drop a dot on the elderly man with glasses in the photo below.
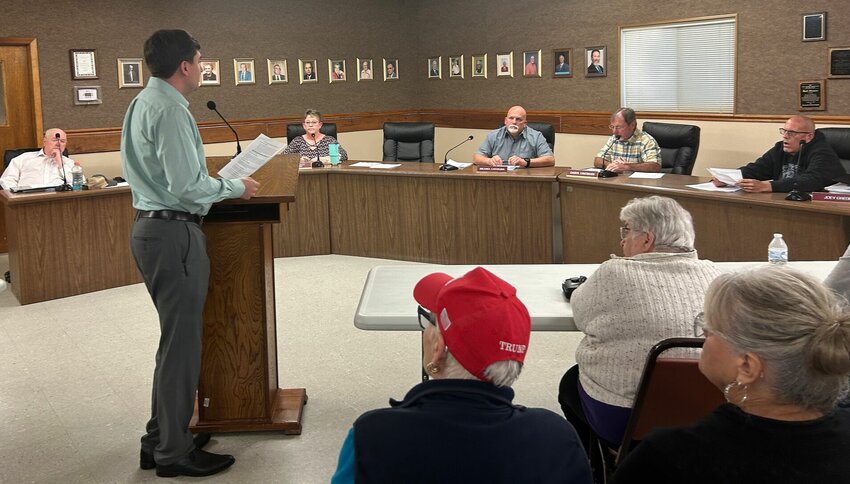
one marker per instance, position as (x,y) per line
(802,160)
(628,148)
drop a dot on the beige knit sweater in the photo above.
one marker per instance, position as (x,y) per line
(628,305)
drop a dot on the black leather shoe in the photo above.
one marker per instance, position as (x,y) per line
(147,462)
(198,463)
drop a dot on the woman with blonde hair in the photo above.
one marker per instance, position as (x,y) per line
(777,343)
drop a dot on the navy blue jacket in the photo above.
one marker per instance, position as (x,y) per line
(466,431)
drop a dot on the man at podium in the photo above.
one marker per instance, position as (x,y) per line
(164,162)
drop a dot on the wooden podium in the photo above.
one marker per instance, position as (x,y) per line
(238,388)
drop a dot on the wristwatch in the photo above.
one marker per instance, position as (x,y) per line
(527,162)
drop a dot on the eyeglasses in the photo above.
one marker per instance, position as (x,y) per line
(616,127)
(792,133)
(310,123)
(625,231)
(699,325)
(425,317)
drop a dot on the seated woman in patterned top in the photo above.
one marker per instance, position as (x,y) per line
(313,143)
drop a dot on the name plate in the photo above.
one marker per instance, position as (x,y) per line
(492,168)
(830,197)
(587,173)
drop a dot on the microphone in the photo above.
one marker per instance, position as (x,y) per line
(446,166)
(607,173)
(796,195)
(318,163)
(64,187)
(211,106)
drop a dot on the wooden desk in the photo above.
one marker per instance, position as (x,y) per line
(68,243)
(729,226)
(416,212)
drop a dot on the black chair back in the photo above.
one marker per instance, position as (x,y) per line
(409,142)
(547,130)
(8,155)
(295,130)
(839,139)
(679,145)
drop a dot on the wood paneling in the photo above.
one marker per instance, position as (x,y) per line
(728,226)
(63,244)
(305,228)
(109,139)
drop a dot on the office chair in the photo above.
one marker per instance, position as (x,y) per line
(547,130)
(295,130)
(672,392)
(679,145)
(839,139)
(409,142)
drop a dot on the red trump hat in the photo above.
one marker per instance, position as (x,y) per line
(481,319)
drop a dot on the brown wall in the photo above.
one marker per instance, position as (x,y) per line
(772,59)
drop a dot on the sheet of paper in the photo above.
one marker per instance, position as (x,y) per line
(365,164)
(258,153)
(386,165)
(458,164)
(643,174)
(710,187)
(838,188)
(729,176)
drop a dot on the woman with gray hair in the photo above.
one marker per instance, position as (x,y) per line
(777,343)
(628,305)
(313,145)
(462,425)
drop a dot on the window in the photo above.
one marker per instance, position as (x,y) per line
(679,67)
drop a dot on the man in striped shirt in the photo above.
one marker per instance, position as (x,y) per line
(628,148)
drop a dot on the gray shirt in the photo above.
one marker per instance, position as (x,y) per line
(529,144)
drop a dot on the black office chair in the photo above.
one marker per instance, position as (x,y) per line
(679,145)
(839,139)
(8,155)
(295,130)
(409,142)
(547,130)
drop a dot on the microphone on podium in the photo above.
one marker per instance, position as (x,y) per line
(211,106)
(446,166)
(64,187)
(607,173)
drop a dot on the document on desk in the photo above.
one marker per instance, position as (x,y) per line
(711,187)
(729,176)
(643,174)
(459,164)
(259,152)
(375,164)
(838,188)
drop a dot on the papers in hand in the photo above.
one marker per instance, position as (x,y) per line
(711,187)
(729,176)
(259,152)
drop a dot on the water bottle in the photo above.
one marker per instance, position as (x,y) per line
(777,251)
(333,151)
(77,179)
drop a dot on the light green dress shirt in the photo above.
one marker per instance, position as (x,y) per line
(163,155)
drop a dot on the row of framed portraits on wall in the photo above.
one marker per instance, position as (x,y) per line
(532,64)
(277,71)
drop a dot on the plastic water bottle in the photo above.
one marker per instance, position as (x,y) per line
(777,251)
(77,179)
(333,151)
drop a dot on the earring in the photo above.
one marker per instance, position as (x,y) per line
(432,368)
(728,389)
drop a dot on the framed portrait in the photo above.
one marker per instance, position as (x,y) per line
(562,63)
(364,70)
(130,73)
(243,71)
(211,73)
(839,62)
(478,63)
(307,71)
(83,64)
(87,95)
(278,73)
(531,65)
(505,65)
(337,70)
(435,67)
(456,66)
(390,69)
(595,60)
(811,95)
(814,26)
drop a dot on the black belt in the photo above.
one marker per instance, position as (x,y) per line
(170,215)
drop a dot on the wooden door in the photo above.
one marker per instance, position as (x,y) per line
(20,102)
